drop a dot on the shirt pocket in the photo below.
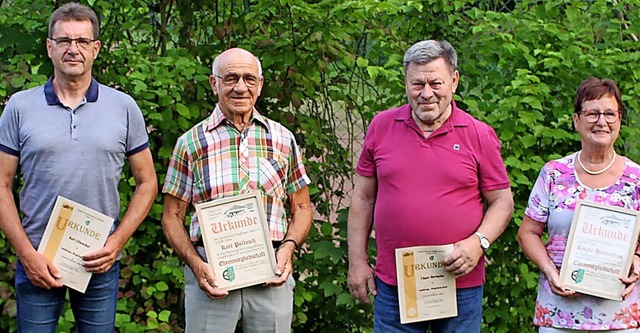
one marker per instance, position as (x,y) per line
(272,176)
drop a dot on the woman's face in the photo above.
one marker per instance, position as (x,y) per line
(603,131)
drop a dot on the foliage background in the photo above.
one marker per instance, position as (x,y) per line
(330,65)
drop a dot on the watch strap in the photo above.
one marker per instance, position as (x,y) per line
(484,241)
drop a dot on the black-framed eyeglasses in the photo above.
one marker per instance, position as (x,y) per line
(65,42)
(231,80)
(592,116)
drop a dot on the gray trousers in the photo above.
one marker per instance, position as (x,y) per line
(258,309)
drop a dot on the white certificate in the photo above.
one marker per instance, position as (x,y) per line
(73,230)
(237,241)
(599,249)
(425,290)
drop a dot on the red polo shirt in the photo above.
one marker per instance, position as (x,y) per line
(429,189)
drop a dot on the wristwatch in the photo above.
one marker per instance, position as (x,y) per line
(484,241)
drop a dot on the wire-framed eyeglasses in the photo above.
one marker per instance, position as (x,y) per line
(231,80)
(65,42)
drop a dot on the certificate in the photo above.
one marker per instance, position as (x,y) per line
(425,290)
(599,249)
(73,230)
(237,241)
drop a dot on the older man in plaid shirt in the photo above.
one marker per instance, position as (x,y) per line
(233,151)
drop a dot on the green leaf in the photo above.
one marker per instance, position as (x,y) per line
(183,110)
(164,315)
(162,286)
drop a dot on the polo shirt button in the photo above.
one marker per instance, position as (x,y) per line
(74,126)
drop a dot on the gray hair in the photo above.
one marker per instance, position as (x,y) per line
(74,11)
(427,51)
(214,66)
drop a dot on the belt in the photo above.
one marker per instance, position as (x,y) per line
(200,243)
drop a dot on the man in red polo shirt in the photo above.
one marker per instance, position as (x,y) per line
(424,174)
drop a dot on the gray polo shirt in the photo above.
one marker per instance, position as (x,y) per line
(77,153)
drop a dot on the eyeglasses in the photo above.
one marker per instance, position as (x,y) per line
(231,80)
(65,42)
(610,116)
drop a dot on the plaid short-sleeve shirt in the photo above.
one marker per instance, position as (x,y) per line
(215,160)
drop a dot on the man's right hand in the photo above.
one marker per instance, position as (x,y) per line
(41,271)
(361,281)
(207,281)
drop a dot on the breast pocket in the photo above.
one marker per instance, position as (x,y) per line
(273,175)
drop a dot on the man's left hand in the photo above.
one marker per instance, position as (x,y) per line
(465,256)
(100,261)
(284,259)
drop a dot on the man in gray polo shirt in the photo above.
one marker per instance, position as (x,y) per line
(70,137)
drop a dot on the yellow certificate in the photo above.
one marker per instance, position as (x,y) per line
(73,230)
(237,240)
(425,290)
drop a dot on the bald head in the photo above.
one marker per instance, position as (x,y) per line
(234,55)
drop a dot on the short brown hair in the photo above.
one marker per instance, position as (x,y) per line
(74,11)
(595,88)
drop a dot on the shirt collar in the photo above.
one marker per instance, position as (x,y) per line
(218,118)
(456,119)
(52,99)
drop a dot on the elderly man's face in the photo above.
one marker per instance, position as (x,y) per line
(430,88)
(237,82)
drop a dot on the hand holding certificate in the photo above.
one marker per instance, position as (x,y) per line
(73,230)
(237,241)
(425,290)
(600,249)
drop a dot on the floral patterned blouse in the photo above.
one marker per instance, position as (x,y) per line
(553,201)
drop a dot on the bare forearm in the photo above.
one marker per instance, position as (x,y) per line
(298,228)
(535,250)
(301,216)
(361,218)
(180,242)
(497,217)
(11,225)
(9,218)
(136,212)
(359,228)
(174,230)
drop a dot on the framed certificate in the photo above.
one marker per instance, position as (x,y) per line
(237,240)
(599,249)
(73,230)
(425,290)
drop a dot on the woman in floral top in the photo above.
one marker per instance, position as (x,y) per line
(595,173)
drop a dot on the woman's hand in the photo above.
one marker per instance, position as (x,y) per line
(555,283)
(632,279)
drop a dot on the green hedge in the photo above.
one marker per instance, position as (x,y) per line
(325,61)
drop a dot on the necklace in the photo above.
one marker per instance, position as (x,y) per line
(596,172)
